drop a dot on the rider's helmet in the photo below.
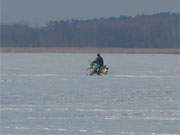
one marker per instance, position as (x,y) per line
(98,54)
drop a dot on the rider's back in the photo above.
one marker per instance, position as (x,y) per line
(99,61)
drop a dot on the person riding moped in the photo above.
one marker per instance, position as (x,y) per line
(98,63)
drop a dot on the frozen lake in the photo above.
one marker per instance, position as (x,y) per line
(50,94)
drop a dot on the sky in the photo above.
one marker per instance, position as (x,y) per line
(39,12)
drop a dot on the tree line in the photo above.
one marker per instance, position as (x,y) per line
(142,31)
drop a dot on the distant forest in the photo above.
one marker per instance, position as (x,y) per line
(142,31)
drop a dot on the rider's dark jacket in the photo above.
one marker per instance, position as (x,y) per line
(99,61)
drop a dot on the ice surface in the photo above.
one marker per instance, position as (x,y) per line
(50,94)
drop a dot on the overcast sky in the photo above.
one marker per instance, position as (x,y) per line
(41,11)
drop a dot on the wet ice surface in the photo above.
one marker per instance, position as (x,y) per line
(50,94)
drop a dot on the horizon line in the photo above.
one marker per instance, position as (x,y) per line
(25,22)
